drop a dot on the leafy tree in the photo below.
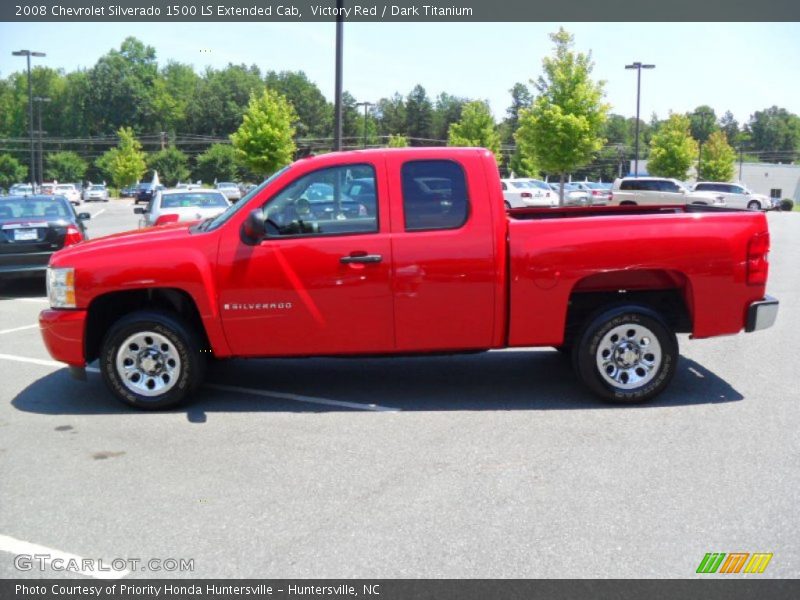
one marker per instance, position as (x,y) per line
(64,166)
(218,162)
(775,134)
(521,98)
(176,92)
(222,98)
(563,129)
(446,112)
(125,164)
(314,113)
(391,114)
(397,141)
(730,126)
(717,158)
(476,128)
(702,122)
(265,140)
(172,165)
(11,171)
(672,149)
(419,115)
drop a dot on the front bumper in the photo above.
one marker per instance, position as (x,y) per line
(762,314)
(63,335)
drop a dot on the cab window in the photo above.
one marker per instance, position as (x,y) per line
(434,195)
(319,204)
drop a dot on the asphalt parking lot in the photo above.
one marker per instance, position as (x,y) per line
(491,465)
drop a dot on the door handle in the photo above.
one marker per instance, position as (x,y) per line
(360,259)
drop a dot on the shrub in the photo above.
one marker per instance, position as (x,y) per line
(787,204)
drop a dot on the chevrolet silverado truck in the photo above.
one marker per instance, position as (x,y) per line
(435,264)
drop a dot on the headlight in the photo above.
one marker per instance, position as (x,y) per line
(61,287)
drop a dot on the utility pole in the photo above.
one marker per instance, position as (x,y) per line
(337,125)
(39,100)
(367,106)
(163,140)
(28,54)
(638,66)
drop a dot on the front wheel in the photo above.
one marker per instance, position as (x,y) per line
(151,360)
(626,354)
(754,205)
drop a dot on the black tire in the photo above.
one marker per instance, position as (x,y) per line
(754,205)
(627,203)
(587,353)
(185,345)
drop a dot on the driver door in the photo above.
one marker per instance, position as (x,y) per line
(320,283)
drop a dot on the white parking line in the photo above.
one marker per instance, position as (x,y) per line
(98,213)
(24,327)
(66,560)
(232,388)
(299,398)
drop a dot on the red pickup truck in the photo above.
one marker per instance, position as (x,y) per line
(407,251)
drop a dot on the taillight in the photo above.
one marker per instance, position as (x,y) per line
(164,219)
(595,193)
(526,195)
(757,259)
(73,235)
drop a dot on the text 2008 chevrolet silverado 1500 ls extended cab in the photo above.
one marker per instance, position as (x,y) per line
(405,251)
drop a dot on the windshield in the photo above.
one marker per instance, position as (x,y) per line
(194,200)
(234,208)
(98,188)
(24,208)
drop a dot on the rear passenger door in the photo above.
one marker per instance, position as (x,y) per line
(444,279)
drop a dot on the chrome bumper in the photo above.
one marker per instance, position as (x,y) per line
(762,314)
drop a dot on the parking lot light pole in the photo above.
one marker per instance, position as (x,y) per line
(367,106)
(337,125)
(28,54)
(638,66)
(39,100)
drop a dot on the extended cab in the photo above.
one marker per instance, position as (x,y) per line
(434,264)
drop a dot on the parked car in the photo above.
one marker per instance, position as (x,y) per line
(96,193)
(20,189)
(69,191)
(657,190)
(145,191)
(598,194)
(128,191)
(735,195)
(32,228)
(430,272)
(47,189)
(171,206)
(362,191)
(231,190)
(573,195)
(524,192)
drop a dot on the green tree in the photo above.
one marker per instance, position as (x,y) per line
(217,163)
(730,126)
(397,141)
(563,129)
(172,165)
(521,98)
(717,158)
(391,115)
(476,128)
(447,111)
(314,113)
(672,148)
(125,164)
(774,134)
(222,98)
(64,166)
(702,122)
(11,171)
(265,140)
(419,116)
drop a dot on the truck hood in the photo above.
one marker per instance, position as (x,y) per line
(147,241)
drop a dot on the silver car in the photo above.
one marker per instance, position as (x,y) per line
(95,193)
(170,206)
(231,190)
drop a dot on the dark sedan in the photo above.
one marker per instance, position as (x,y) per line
(32,228)
(145,191)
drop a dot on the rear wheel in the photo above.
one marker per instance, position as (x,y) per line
(151,360)
(626,354)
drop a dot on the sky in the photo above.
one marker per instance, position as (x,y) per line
(741,67)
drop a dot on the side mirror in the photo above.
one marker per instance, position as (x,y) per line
(84,216)
(139,210)
(254,228)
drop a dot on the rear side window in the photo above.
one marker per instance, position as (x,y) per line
(434,195)
(668,186)
(631,184)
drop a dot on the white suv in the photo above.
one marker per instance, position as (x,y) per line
(734,195)
(657,190)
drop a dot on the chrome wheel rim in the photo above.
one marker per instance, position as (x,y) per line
(629,356)
(148,363)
